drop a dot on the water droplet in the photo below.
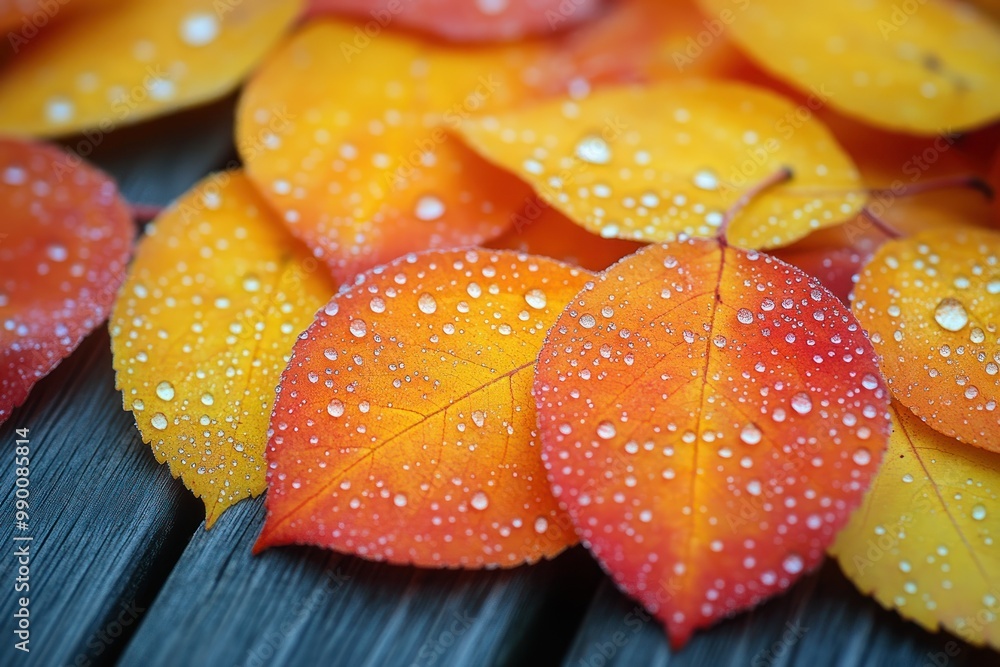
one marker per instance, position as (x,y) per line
(479,418)
(706,179)
(593,149)
(792,564)
(950,314)
(207,399)
(426,303)
(359,328)
(587,321)
(251,283)
(535,298)
(750,434)
(480,501)
(869,381)
(606,430)
(801,403)
(57,252)
(978,512)
(165,391)
(429,208)
(335,408)
(744,316)
(862,456)
(541,525)
(399,500)
(199,29)
(159,421)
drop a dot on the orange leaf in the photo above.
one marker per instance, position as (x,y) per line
(709,416)
(461,20)
(931,303)
(654,162)
(542,230)
(924,541)
(134,59)
(404,429)
(351,145)
(202,328)
(65,237)
(928,67)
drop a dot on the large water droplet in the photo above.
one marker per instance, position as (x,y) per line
(159,421)
(335,408)
(950,314)
(426,303)
(429,208)
(480,501)
(165,390)
(606,430)
(801,403)
(359,328)
(593,149)
(750,434)
(535,298)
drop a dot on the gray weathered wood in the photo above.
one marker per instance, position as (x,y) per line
(821,622)
(298,606)
(107,521)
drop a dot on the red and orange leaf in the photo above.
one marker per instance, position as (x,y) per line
(541,230)
(461,20)
(924,541)
(404,428)
(352,146)
(710,417)
(931,304)
(22,20)
(638,40)
(932,67)
(65,238)
(202,329)
(651,163)
(119,64)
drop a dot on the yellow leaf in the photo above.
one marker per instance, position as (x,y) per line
(649,163)
(926,67)
(202,330)
(925,541)
(931,303)
(133,59)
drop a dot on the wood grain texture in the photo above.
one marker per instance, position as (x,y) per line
(299,606)
(107,521)
(821,622)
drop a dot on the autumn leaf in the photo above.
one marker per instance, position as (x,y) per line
(923,541)
(461,20)
(931,303)
(115,65)
(539,229)
(404,428)
(710,417)
(65,238)
(929,67)
(202,329)
(650,163)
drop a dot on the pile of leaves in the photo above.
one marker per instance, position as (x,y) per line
(711,288)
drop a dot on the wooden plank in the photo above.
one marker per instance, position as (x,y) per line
(298,606)
(821,622)
(107,521)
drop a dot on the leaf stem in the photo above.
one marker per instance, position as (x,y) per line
(942,183)
(881,224)
(781,176)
